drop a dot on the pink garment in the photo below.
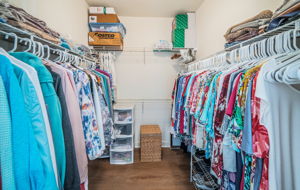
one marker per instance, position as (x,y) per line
(75,119)
(233,96)
(260,138)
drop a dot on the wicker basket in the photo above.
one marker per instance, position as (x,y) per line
(150,143)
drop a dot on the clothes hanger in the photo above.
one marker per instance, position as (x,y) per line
(15,37)
(42,49)
(59,58)
(40,52)
(37,52)
(73,57)
(27,42)
(276,73)
(289,72)
(29,45)
(48,52)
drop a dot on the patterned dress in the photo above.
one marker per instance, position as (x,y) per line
(90,127)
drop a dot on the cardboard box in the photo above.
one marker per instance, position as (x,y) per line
(103,18)
(102,10)
(105,39)
(108,27)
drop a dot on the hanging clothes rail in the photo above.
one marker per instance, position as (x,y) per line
(216,103)
(39,44)
(233,51)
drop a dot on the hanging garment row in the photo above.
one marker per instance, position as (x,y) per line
(245,115)
(54,115)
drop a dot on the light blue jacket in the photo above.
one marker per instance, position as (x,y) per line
(6,154)
(53,108)
(33,108)
(26,157)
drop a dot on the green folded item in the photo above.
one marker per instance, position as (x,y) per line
(178,38)
(181,21)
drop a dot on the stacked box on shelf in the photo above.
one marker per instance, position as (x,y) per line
(122,149)
(178,38)
(184,31)
(106,31)
(180,21)
(180,24)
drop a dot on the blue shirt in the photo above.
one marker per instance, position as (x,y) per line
(178,102)
(26,158)
(247,131)
(53,108)
(208,114)
(34,110)
(6,154)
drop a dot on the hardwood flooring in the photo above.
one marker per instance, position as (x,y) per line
(172,173)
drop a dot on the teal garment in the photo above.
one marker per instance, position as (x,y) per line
(33,108)
(26,159)
(6,153)
(53,108)
(188,91)
(207,116)
(107,92)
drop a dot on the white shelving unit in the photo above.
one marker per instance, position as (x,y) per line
(122,149)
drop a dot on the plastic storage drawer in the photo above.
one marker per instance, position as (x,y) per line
(123,129)
(121,157)
(123,116)
(122,144)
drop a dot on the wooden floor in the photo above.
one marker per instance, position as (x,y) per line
(172,173)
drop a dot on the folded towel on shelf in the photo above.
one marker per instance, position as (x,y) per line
(262,29)
(286,7)
(34,30)
(240,34)
(266,14)
(247,36)
(228,45)
(252,24)
(284,19)
(12,13)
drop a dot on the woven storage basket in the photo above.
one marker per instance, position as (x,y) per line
(150,143)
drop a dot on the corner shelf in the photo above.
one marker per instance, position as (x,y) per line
(173,50)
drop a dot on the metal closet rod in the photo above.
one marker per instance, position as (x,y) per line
(295,25)
(23,36)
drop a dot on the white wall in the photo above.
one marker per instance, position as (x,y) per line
(68,17)
(144,78)
(214,17)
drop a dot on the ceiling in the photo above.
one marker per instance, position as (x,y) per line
(149,8)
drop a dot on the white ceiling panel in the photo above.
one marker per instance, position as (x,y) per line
(149,8)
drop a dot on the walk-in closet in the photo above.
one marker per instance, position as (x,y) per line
(149,94)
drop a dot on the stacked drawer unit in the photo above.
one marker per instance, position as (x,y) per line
(122,149)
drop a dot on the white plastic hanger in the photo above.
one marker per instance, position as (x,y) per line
(15,37)
(48,51)
(276,74)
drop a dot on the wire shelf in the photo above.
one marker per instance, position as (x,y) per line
(204,173)
(295,25)
(30,35)
(279,30)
